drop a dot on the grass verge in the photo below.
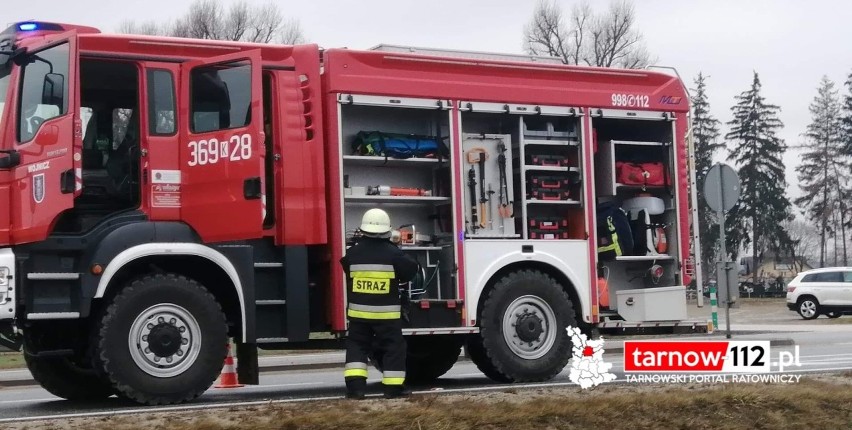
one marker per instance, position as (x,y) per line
(809,404)
(12,360)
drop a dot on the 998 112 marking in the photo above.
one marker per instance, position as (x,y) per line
(630,100)
(211,151)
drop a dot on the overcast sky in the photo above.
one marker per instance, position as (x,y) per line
(790,43)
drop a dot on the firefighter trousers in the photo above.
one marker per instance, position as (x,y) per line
(385,336)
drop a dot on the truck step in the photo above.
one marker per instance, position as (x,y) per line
(271,302)
(261,265)
(53,276)
(272,340)
(53,315)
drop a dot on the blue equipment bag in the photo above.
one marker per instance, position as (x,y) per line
(395,145)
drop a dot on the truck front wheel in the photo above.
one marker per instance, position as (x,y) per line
(162,340)
(522,327)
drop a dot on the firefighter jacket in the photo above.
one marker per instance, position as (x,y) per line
(374,269)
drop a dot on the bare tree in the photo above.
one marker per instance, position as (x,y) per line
(150,28)
(805,245)
(209,19)
(604,40)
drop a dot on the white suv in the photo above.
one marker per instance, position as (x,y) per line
(826,291)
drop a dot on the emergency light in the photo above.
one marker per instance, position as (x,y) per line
(28,26)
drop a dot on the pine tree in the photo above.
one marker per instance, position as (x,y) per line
(705,131)
(846,191)
(820,173)
(756,149)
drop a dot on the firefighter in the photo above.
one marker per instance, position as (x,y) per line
(375,267)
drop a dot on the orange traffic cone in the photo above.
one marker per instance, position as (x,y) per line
(228,379)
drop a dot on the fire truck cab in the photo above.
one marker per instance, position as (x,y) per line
(159,196)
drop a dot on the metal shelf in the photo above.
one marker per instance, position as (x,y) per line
(530,168)
(366,160)
(552,202)
(421,248)
(640,187)
(644,257)
(637,143)
(395,199)
(554,142)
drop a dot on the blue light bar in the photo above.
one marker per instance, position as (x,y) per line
(28,26)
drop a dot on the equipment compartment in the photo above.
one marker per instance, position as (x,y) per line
(649,271)
(652,304)
(414,188)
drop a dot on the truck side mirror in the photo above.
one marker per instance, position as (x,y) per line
(53,90)
(9,158)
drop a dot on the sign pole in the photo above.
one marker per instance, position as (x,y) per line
(722,190)
(724,254)
(724,268)
(713,307)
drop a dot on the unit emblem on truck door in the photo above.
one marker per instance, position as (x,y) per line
(38,187)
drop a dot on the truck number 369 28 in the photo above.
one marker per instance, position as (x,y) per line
(212,151)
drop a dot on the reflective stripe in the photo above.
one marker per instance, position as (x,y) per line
(368,308)
(393,374)
(372,274)
(372,267)
(614,246)
(356,365)
(358,373)
(373,315)
(393,381)
(371,285)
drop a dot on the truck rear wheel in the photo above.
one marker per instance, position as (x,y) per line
(476,351)
(162,340)
(430,357)
(522,327)
(62,377)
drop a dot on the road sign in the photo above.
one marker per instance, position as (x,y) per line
(721,187)
(721,191)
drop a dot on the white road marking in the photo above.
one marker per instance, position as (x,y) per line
(323,398)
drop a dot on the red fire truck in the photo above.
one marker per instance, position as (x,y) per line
(162,195)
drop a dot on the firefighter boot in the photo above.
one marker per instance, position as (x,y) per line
(396,391)
(356,388)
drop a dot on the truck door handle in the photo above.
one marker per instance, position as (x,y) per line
(66,181)
(629,301)
(11,160)
(252,189)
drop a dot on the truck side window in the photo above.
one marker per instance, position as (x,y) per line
(847,276)
(46,72)
(220,97)
(161,103)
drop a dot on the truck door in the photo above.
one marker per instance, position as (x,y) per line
(221,147)
(43,136)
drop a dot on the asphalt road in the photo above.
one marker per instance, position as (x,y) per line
(820,352)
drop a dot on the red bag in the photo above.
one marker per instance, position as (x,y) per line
(640,174)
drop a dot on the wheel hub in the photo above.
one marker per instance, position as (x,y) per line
(164,340)
(529,327)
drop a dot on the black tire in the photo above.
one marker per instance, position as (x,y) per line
(144,306)
(476,351)
(430,357)
(833,314)
(62,377)
(808,308)
(522,300)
